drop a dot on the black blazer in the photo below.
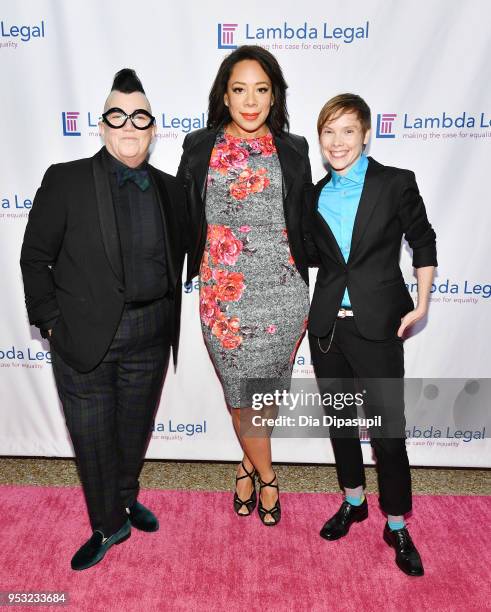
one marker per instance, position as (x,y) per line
(71,261)
(390,207)
(295,166)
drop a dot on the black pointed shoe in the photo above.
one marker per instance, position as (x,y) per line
(142,518)
(338,525)
(407,557)
(94,549)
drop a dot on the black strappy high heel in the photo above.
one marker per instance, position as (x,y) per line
(250,503)
(275,511)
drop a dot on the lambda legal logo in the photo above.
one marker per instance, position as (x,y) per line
(226,33)
(384,125)
(69,120)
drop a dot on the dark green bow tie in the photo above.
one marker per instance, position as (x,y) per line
(139,177)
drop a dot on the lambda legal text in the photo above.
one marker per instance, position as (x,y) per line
(307,32)
(445,120)
(26,32)
(14,354)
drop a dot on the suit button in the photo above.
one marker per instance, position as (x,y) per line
(120,289)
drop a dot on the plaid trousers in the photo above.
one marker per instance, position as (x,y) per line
(109,411)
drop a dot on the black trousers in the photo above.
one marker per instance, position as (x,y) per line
(109,411)
(345,354)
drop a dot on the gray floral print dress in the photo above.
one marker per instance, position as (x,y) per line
(253,301)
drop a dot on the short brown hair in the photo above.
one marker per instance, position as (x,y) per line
(345,103)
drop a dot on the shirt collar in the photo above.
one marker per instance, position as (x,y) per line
(356,173)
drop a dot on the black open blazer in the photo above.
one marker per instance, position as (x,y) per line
(71,260)
(390,207)
(193,170)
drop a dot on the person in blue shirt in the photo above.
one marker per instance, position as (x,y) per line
(361,309)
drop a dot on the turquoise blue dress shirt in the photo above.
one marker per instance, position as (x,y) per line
(338,204)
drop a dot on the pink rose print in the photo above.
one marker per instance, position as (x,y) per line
(234,324)
(205,271)
(227,332)
(249,182)
(220,327)
(239,191)
(263,145)
(208,307)
(271,329)
(231,341)
(230,285)
(267,146)
(228,155)
(225,248)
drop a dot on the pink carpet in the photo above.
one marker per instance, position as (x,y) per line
(206,558)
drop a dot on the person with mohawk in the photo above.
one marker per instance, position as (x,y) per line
(101,262)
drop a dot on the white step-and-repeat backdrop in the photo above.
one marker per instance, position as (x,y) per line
(422,66)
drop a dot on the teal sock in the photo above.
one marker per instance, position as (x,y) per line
(355,501)
(393,525)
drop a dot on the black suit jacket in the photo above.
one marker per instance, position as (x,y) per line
(193,170)
(71,260)
(390,207)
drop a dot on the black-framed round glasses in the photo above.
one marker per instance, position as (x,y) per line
(140,118)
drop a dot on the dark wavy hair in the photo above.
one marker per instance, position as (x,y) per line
(218,113)
(126,81)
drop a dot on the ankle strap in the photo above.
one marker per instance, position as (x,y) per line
(247,474)
(263,484)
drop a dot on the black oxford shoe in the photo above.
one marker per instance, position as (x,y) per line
(142,518)
(338,525)
(94,549)
(407,557)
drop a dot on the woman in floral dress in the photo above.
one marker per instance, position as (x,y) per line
(246,179)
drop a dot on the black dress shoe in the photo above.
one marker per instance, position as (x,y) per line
(407,557)
(142,518)
(94,549)
(338,525)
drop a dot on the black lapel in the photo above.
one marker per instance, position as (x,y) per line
(199,160)
(107,216)
(169,230)
(289,161)
(368,202)
(332,242)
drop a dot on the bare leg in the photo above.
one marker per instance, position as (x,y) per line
(257,454)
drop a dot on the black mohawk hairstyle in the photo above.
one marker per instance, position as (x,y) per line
(127,82)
